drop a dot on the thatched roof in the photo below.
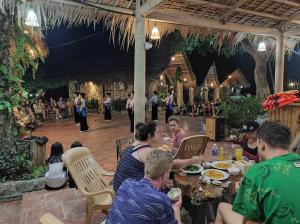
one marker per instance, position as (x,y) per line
(236,78)
(231,20)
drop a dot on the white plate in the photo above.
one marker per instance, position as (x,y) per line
(214,165)
(225,175)
(193,172)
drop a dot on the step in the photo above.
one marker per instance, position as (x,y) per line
(68,205)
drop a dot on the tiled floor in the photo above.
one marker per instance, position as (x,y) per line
(67,204)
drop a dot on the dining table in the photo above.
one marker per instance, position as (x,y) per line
(201,199)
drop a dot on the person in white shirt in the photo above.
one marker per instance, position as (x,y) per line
(107,105)
(56,177)
(130,110)
(154,104)
(169,100)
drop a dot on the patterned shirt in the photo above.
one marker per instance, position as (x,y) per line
(138,202)
(269,191)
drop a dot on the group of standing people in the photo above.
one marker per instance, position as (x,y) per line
(80,109)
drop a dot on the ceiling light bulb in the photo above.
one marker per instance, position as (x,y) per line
(31,19)
(261,47)
(155,35)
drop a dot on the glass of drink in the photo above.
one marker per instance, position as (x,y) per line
(238,153)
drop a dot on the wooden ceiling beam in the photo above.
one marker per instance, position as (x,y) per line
(231,10)
(244,11)
(150,6)
(287,2)
(109,8)
(171,16)
(285,22)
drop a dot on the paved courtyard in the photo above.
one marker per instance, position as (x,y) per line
(68,204)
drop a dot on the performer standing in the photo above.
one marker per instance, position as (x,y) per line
(76,110)
(130,110)
(169,100)
(107,104)
(82,114)
(154,103)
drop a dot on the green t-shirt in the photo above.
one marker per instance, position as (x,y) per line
(270,191)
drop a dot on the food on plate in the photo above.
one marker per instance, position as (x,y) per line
(223,165)
(192,168)
(174,194)
(216,182)
(214,174)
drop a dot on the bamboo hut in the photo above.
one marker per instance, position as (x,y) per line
(274,21)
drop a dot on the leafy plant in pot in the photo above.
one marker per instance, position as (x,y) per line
(240,110)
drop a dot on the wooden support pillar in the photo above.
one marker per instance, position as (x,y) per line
(139,66)
(279,64)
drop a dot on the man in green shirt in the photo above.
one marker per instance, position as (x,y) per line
(269,192)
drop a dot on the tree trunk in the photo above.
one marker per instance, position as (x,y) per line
(260,71)
(7,129)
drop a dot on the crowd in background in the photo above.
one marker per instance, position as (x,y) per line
(32,113)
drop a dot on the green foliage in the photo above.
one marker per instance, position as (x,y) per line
(20,60)
(208,45)
(15,164)
(92,104)
(241,110)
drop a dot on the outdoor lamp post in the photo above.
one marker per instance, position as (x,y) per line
(31,19)
(261,47)
(155,33)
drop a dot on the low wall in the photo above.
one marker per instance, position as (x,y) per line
(14,189)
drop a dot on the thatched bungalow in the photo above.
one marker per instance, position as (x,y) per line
(230,21)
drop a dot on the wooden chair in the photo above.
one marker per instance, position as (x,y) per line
(48,218)
(87,173)
(192,146)
(121,145)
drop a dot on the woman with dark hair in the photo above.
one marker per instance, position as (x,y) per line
(56,176)
(82,114)
(107,104)
(133,159)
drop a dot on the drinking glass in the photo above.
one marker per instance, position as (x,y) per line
(238,153)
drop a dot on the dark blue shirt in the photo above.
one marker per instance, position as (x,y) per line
(139,202)
(129,167)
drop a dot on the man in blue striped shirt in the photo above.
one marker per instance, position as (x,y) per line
(141,202)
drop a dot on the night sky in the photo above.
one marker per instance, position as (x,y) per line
(97,55)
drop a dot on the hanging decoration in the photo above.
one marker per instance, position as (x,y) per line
(31,19)
(155,35)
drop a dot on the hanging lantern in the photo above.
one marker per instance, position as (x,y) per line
(261,46)
(155,33)
(31,19)
(173,58)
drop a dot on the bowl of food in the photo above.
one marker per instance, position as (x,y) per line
(192,169)
(234,171)
(174,194)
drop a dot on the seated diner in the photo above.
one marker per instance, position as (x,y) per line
(133,159)
(267,193)
(140,201)
(177,133)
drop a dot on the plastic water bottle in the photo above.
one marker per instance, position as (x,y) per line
(214,152)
